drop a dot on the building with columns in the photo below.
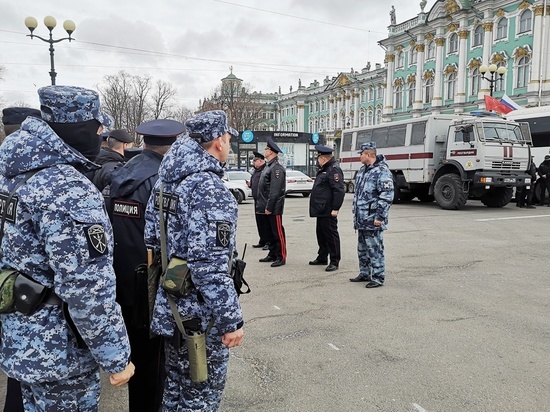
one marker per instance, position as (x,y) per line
(433,64)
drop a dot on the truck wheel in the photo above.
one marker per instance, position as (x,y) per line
(497,197)
(448,192)
(239,196)
(351,187)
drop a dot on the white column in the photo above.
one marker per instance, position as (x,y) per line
(330,125)
(418,104)
(487,40)
(388,94)
(438,81)
(338,111)
(462,73)
(300,116)
(356,107)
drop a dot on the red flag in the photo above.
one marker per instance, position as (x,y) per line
(495,105)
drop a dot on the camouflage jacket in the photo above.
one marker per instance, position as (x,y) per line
(201,228)
(373,195)
(61,237)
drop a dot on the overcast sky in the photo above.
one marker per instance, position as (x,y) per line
(192,43)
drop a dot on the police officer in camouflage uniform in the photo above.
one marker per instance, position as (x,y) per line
(201,228)
(59,236)
(129,193)
(371,204)
(325,201)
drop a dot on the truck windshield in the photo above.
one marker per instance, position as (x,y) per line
(500,132)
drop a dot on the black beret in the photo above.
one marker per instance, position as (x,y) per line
(16,115)
(258,155)
(121,135)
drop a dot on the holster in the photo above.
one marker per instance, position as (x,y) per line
(29,295)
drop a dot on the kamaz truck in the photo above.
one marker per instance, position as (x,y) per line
(449,158)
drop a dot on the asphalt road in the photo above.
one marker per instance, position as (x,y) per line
(462,324)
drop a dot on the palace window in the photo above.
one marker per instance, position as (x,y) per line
(502,29)
(525,21)
(478,36)
(523,71)
(453,43)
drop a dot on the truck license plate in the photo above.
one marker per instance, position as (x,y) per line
(509,180)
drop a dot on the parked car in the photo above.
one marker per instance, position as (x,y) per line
(239,183)
(298,182)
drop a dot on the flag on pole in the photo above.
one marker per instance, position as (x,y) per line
(495,105)
(507,100)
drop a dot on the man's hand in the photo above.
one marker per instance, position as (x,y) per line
(334,213)
(377,223)
(233,339)
(121,378)
(267,212)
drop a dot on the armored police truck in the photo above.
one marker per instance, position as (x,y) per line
(449,158)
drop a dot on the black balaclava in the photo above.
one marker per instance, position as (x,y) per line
(81,136)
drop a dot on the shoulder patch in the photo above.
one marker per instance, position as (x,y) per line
(387,185)
(97,241)
(127,209)
(223,233)
(170,202)
(336,177)
(277,173)
(10,209)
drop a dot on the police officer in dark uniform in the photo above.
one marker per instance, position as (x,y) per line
(111,157)
(129,192)
(271,202)
(326,200)
(262,223)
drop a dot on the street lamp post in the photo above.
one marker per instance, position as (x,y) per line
(493,70)
(50,23)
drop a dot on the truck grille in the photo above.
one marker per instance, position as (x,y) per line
(506,165)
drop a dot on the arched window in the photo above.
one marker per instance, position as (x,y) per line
(431,50)
(478,36)
(362,119)
(501,81)
(429,90)
(400,60)
(414,55)
(317,106)
(451,86)
(322,125)
(399,97)
(379,92)
(370,117)
(453,43)
(323,104)
(378,116)
(525,21)
(523,71)
(502,29)
(311,126)
(412,93)
(476,82)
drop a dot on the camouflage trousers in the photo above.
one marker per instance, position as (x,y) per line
(78,393)
(180,393)
(370,250)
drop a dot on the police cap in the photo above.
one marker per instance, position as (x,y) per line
(367,146)
(258,155)
(121,135)
(323,150)
(71,104)
(16,115)
(160,132)
(272,145)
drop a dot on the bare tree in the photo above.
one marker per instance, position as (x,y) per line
(181,114)
(163,95)
(241,105)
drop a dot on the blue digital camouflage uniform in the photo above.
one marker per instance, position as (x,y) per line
(60,236)
(201,228)
(372,200)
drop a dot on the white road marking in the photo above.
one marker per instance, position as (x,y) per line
(333,346)
(419,408)
(277,307)
(511,218)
